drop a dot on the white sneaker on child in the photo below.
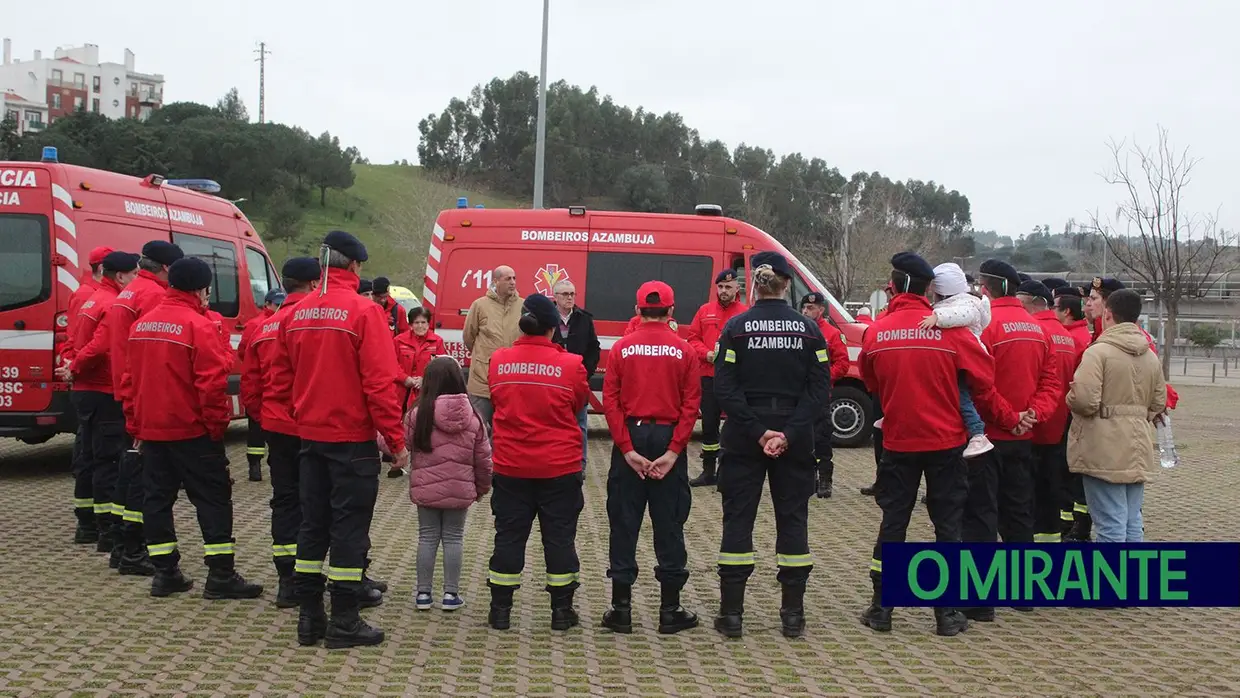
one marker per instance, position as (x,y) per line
(977,446)
(423,601)
(451,602)
(878,423)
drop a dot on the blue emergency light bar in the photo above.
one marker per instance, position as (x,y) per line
(50,154)
(206,186)
(462,202)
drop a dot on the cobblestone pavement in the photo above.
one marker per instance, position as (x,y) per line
(69,626)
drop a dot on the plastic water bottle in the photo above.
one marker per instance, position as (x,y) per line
(1166,444)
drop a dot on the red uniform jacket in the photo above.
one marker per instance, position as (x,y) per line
(91,368)
(339,367)
(1025,373)
(86,288)
(139,297)
(865,319)
(1081,338)
(414,353)
(250,331)
(636,322)
(258,370)
(180,377)
(914,373)
(1064,358)
(397,318)
(837,350)
(706,327)
(537,387)
(652,374)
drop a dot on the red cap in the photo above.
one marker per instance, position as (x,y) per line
(664,298)
(97,255)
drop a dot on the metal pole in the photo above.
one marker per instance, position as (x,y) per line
(540,149)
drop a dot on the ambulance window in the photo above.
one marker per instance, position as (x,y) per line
(613,278)
(262,277)
(223,260)
(27,277)
(799,290)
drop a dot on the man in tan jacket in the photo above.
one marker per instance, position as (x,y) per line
(1115,395)
(491,324)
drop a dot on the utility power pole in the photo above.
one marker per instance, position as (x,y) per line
(262,80)
(540,147)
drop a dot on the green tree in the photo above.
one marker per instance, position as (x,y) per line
(231,107)
(1206,336)
(9,140)
(284,220)
(645,188)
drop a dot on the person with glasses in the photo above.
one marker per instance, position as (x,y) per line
(576,334)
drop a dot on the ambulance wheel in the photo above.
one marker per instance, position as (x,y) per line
(852,415)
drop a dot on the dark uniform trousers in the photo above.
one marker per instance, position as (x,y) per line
(285,499)
(877,434)
(556,503)
(202,468)
(83,470)
(133,535)
(712,415)
(102,422)
(669,500)
(1075,513)
(255,440)
(823,453)
(899,476)
(1000,502)
(339,483)
(1050,465)
(791,483)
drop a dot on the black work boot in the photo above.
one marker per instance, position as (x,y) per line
(500,616)
(311,621)
(792,610)
(949,622)
(619,619)
(86,533)
(118,551)
(346,628)
(286,597)
(138,565)
(372,583)
(868,490)
(104,542)
(981,614)
(672,616)
(169,582)
(225,583)
(368,596)
(731,608)
(824,482)
(563,615)
(1082,528)
(256,469)
(876,616)
(708,477)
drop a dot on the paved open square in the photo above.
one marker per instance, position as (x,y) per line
(70,626)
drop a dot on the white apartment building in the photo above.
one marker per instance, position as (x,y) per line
(44,89)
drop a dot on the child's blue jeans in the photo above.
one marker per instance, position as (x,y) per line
(972,420)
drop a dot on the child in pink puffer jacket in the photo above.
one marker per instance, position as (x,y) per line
(450,469)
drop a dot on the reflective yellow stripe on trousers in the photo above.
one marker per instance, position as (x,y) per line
(132,516)
(344,574)
(103,507)
(218,549)
(84,503)
(256,450)
(562,580)
(805,560)
(284,551)
(504,580)
(876,565)
(1080,508)
(1047,538)
(736,558)
(308,566)
(1065,515)
(161,549)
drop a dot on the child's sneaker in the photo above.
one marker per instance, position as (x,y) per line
(451,602)
(878,423)
(424,602)
(977,446)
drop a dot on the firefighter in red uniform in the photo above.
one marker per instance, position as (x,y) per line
(703,336)
(538,388)
(100,436)
(1001,481)
(300,277)
(88,283)
(255,439)
(814,307)
(914,374)
(337,370)
(877,431)
(179,411)
(636,321)
(393,312)
(651,395)
(1070,309)
(1050,445)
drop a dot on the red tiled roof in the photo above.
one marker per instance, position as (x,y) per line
(14,97)
(67,59)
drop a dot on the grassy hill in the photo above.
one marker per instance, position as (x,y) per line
(391,209)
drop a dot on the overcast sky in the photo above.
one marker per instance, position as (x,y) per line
(1009,102)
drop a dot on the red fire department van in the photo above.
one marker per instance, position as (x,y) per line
(51,216)
(607,255)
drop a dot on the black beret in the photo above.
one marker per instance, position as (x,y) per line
(725,275)
(542,309)
(1107,285)
(302,269)
(346,245)
(189,274)
(365,286)
(912,264)
(162,251)
(1069,291)
(1037,289)
(274,297)
(120,261)
(381,285)
(1023,276)
(776,261)
(813,297)
(1054,282)
(999,269)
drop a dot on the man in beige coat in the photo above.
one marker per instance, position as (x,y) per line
(1117,392)
(491,324)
